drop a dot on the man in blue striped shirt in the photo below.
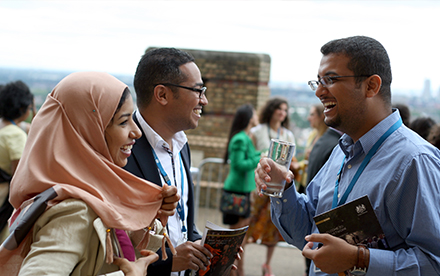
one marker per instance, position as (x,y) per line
(377,156)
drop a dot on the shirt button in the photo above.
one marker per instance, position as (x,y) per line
(349,166)
(278,202)
(284,200)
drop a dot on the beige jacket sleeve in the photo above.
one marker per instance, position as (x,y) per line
(66,241)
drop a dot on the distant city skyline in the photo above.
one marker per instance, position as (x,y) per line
(299,95)
(423,91)
(111,36)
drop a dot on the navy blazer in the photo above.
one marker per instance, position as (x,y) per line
(142,164)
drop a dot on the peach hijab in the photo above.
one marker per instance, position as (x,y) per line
(66,149)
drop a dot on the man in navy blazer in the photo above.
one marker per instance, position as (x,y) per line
(170,97)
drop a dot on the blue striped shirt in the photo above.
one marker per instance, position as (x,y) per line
(402,182)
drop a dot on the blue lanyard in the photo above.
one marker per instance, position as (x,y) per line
(364,163)
(12,122)
(180,205)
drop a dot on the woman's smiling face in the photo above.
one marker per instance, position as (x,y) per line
(121,133)
(280,113)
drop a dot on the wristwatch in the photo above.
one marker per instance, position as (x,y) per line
(363,259)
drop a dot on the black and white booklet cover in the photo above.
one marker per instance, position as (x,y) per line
(354,222)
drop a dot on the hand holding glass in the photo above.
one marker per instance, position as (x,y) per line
(281,152)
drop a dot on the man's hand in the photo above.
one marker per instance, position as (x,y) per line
(335,255)
(266,171)
(139,267)
(191,255)
(170,198)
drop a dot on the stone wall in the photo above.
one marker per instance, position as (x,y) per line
(232,79)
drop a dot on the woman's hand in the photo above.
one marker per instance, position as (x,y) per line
(170,198)
(139,267)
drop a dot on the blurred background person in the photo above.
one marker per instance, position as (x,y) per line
(274,123)
(434,136)
(316,120)
(321,151)
(405,113)
(243,160)
(16,103)
(320,144)
(318,156)
(422,126)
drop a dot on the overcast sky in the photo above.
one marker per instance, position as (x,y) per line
(112,35)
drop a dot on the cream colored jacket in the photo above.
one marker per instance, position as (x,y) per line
(68,239)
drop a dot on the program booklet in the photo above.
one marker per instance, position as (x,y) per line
(224,244)
(354,222)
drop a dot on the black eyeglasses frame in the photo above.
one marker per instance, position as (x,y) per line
(315,83)
(201,91)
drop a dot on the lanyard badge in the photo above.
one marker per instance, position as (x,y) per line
(180,204)
(365,162)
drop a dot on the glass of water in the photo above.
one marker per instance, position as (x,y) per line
(281,152)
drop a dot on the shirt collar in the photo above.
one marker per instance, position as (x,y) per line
(366,142)
(179,139)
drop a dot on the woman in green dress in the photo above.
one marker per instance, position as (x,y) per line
(243,159)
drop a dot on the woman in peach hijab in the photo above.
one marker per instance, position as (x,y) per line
(70,181)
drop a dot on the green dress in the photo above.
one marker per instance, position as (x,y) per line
(243,161)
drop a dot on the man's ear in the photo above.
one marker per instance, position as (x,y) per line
(161,94)
(374,83)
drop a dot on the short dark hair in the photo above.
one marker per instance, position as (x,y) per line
(156,66)
(367,57)
(241,120)
(15,99)
(405,113)
(422,126)
(434,136)
(270,107)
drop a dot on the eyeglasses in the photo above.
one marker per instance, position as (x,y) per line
(326,81)
(201,91)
